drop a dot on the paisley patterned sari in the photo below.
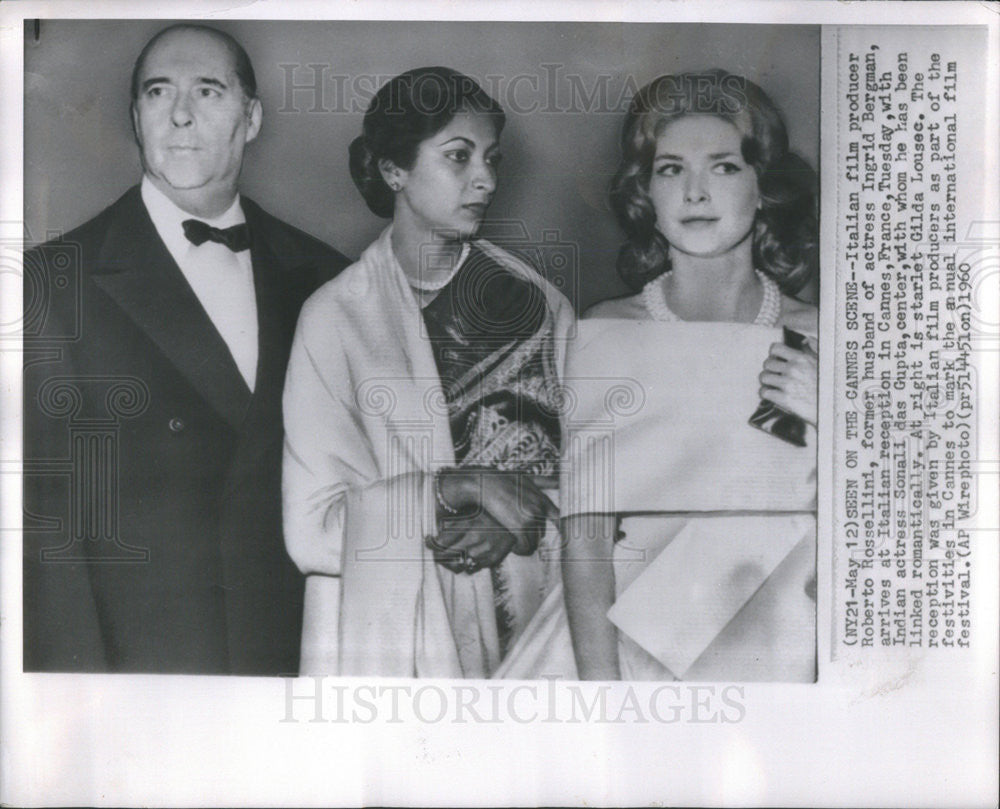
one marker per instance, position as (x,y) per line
(492,338)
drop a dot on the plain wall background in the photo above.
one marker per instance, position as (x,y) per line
(80,155)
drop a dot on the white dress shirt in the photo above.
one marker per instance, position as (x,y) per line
(222,279)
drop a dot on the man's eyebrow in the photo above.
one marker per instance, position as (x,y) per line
(154,80)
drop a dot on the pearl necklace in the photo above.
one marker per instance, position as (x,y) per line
(654,298)
(437,286)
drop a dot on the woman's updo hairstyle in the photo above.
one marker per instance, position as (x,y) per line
(407,110)
(785,230)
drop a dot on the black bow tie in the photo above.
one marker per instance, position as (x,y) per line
(236,238)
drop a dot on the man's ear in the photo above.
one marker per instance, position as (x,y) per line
(255,114)
(134,116)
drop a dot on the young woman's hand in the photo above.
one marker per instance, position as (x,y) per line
(498,512)
(790,380)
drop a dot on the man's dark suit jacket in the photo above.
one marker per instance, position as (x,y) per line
(153,537)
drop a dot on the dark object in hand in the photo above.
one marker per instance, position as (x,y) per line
(774,420)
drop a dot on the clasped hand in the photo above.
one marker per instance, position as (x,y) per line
(498,513)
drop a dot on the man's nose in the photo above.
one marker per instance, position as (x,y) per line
(180,112)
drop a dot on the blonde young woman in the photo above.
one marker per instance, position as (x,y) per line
(721,226)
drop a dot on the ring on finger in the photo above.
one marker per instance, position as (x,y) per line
(470,564)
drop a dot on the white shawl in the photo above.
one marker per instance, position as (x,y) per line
(365,422)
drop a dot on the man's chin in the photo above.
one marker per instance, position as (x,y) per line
(183,182)
(195,195)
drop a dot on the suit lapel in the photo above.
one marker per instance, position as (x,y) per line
(137,271)
(279,298)
(280,289)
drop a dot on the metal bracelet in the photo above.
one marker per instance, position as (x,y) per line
(445,505)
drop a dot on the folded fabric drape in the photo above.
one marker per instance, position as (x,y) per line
(366,426)
(672,400)
(718,548)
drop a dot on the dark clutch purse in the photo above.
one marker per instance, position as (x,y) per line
(772,419)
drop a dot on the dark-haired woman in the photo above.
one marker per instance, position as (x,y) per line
(420,409)
(721,227)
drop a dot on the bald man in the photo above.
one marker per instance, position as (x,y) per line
(161,549)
